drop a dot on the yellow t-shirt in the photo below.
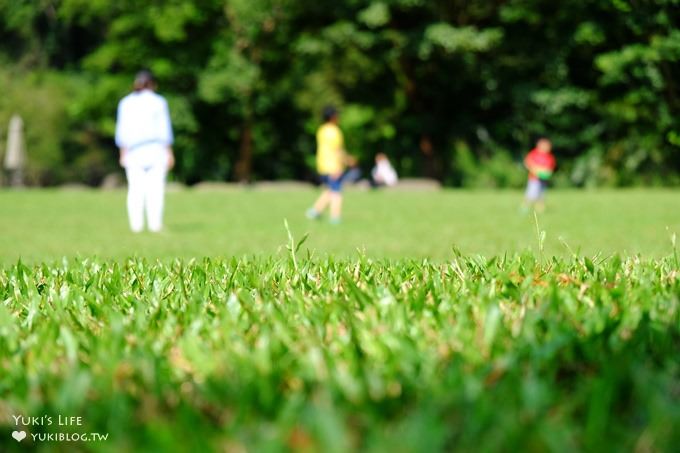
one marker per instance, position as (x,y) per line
(329,150)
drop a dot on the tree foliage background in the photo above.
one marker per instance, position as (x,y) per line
(452,89)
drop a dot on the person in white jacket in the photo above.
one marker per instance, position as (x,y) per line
(383,174)
(144,137)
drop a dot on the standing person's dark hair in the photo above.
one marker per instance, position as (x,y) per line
(328,113)
(144,80)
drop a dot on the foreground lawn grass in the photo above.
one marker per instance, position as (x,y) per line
(45,225)
(270,354)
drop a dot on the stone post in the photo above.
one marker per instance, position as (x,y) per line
(15,152)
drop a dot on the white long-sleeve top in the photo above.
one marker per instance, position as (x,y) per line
(384,173)
(143,119)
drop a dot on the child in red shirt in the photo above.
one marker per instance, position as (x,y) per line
(541,164)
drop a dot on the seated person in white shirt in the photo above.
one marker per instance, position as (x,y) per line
(383,174)
(144,137)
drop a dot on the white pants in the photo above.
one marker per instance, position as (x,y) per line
(146,191)
(146,169)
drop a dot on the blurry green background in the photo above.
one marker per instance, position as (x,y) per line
(456,89)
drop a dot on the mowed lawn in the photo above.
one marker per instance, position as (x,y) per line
(46,225)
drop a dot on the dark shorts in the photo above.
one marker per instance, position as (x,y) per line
(333,184)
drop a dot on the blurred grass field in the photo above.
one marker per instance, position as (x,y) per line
(46,225)
(339,355)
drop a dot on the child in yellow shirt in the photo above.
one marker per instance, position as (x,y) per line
(330,164)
